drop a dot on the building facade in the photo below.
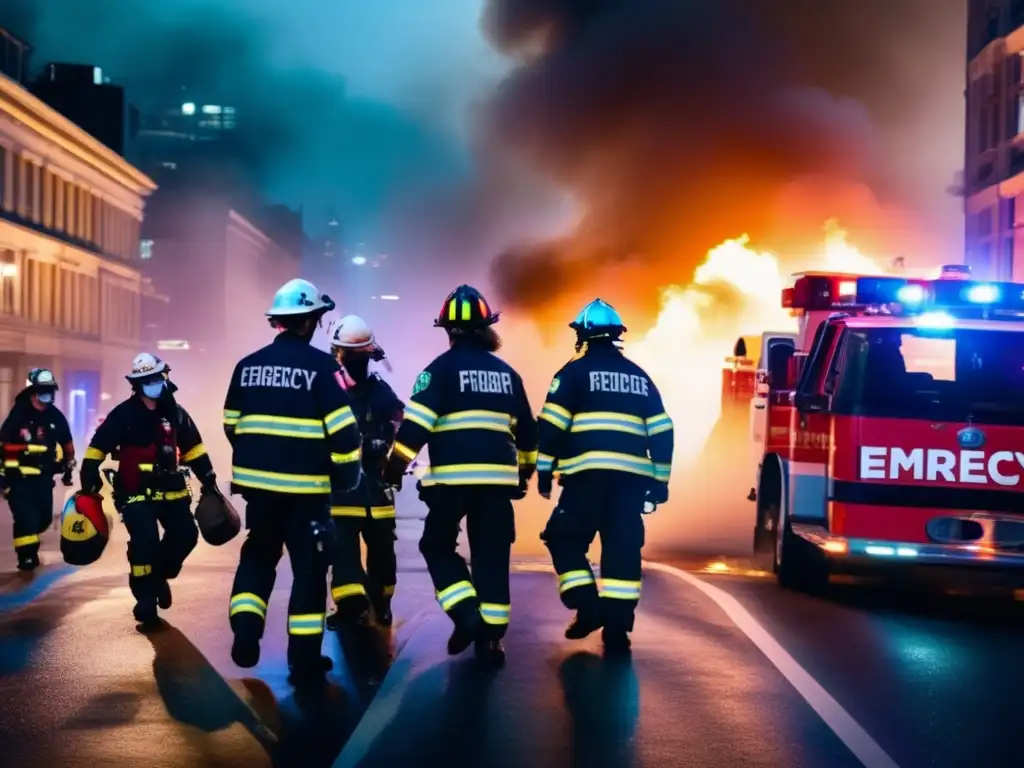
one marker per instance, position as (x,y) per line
(993,183)
(70,219)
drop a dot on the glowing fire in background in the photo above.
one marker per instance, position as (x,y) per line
(693,333)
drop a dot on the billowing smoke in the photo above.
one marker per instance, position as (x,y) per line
(678,123)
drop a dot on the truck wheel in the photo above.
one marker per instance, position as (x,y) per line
(798,564)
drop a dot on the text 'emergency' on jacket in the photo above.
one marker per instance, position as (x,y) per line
(470,408)
(290,421)
(603,411)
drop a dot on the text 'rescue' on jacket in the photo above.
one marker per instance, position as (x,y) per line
(470,409)
(602,411)
(290,422)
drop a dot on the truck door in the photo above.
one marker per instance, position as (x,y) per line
(810,430)
(768,426)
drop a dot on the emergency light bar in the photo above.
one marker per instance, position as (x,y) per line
(953,292)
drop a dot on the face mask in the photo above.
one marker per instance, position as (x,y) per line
(153,389)
(45,397)
(357,366)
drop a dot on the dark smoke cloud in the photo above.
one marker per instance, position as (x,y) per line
(677,122)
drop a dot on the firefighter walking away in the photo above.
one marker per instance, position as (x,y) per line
(294,438)
(470,409)
(369,509)
(151,436)
(31,436)
(604,430)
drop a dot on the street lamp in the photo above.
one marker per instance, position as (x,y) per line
(359,260)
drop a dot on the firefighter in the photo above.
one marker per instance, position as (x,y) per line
(151,436)
(368,510)
(470,409)
(294,439)
(604,430)
(31,435)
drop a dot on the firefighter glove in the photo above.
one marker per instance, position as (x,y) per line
(544,482)
(209,483)
(657,493)
(90,477)
(393,472)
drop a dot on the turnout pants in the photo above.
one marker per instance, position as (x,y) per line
(351,585)
(302,525)
(31,502)
(154,558)
(490,525)
(610,504)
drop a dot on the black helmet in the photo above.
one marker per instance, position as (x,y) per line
(465,309)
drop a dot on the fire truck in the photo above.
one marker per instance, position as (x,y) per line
(893,432)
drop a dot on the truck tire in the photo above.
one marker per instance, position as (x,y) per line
(799,565)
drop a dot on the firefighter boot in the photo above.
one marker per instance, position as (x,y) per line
(615,640)
(583,624)
(490,652)
(308,671)
(28,563)
(382,611)
(465,633)
(245,651)
(145,614)
(163,595)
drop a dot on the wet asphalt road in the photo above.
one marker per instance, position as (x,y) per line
(935,684)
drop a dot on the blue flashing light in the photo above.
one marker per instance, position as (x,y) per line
(939,321)
(982,294)
(912,294)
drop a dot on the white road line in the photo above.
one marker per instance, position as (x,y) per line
(849,731)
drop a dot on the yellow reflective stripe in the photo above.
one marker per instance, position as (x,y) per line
(95,454)
(404,451)
(527,457)
(306,624)
(382,513)
(451,596)
(33,448)
(420,415)
(145,467)
(608,421)
(279,426)
(451,309)
(142,570)
(571,579)
(346,458)
(606,460)
(348,511)
(495,613)
(388,590)
(492,420)
(347,590)
(247,602)
(335,421)
(30,470)
(10,463)
(556,415)
(24,541)
(658,424)
(662,472)
(195,453)
(545,462)
(280,482)
(231,417)
(472,474)
(618,589)
(159,496)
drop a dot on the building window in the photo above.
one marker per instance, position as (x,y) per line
(58,203)
(145,250)
(31,190)
(3,179)
(71,209)
(9,283)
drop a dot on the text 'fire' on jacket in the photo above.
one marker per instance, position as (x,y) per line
(602,411)
(290,422)
(469,407)
(148,445)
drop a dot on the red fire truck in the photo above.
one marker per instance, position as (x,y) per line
(894,429)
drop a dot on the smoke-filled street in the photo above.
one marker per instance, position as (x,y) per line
(726,669)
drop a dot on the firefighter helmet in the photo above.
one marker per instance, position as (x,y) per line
(217,519)
(598,320)
(352,332)
(299,297)
(84,529)
(146,366)
(465,309)
(41,378)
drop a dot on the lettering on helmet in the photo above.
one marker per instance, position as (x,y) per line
(621,383)
(937,464)
(276,376)
(487,382)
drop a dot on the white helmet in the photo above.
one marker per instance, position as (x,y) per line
(146,365)
(352,332)
(41,378)
(298,297)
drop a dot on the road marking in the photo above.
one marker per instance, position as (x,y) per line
(849,731)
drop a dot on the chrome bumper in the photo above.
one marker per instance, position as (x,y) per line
(840,548)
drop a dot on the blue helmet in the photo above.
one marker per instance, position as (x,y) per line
(598,319)
(298,297)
